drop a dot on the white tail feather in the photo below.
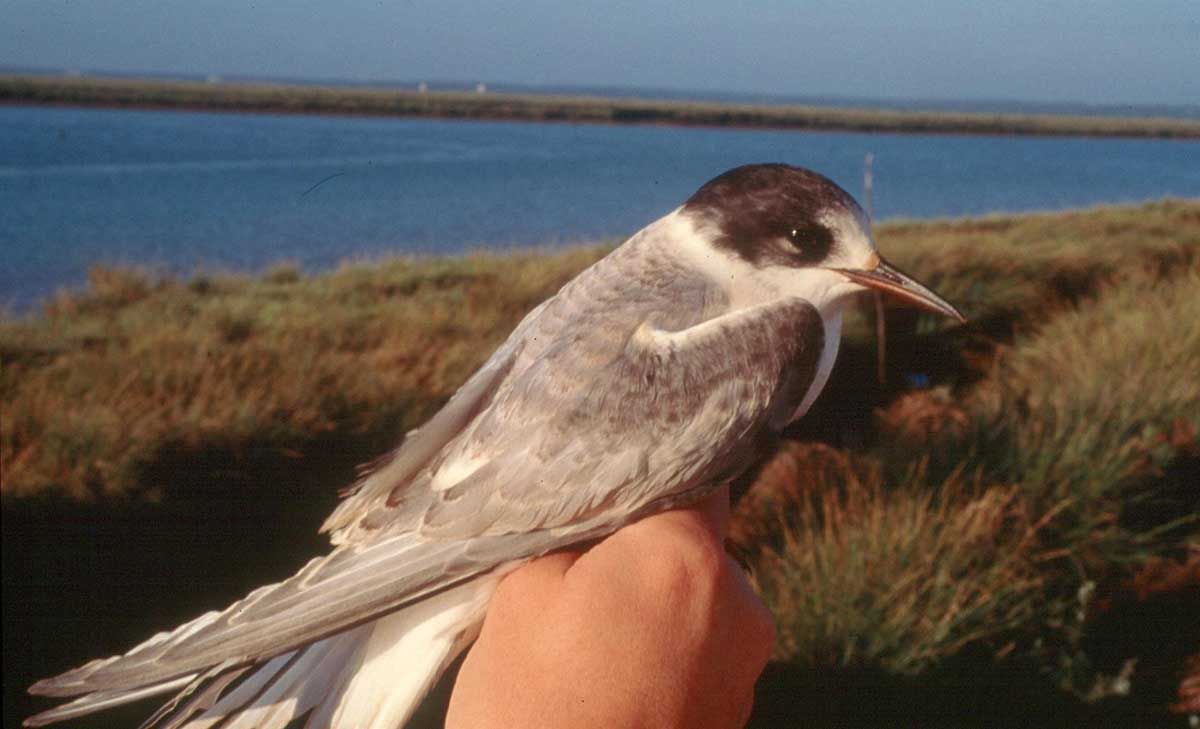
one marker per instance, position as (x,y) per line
(100,701)
(370,677)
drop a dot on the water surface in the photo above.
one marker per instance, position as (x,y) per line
(184,190)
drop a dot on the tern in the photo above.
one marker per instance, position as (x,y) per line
(642,385)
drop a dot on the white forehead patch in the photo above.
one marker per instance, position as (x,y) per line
(853,245)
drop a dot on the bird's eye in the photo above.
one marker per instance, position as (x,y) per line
(813,241)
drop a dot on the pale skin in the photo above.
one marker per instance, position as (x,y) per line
(656,626)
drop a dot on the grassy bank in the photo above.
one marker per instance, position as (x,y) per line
(1072,466)
(110,381)
(528,107)
(106,379)
(1012,516)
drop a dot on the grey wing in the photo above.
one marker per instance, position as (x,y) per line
(351,585)
(400,467)
(576,332)
(593,434)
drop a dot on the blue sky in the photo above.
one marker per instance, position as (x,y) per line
(1105,51)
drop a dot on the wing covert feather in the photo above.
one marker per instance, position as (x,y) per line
(421,445)
(576,434)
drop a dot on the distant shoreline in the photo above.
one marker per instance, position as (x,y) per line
(303,99)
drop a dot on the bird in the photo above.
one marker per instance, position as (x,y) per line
(640,386)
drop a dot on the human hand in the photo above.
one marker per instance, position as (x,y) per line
(656,626)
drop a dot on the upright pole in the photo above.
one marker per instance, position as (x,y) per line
(880,320)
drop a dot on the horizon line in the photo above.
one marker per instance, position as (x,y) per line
(932,103)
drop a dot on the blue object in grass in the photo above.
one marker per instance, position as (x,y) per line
(917,380)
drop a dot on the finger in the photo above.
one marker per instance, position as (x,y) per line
(538,578)
(707,520)
(711,514)
(548,568)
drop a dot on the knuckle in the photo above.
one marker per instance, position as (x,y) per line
(517,590)
(506,599)
(689,561)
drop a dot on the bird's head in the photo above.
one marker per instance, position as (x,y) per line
(785,230)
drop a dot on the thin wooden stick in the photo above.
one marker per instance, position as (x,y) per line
(880,320)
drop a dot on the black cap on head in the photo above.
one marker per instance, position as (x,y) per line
(770,213)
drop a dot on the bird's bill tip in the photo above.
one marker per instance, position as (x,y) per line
(888,279)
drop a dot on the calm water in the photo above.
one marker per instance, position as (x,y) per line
(182,191)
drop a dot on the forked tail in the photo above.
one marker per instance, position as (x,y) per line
(372,676)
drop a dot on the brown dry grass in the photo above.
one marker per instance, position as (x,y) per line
(134,369)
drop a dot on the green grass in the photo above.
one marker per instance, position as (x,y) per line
(529,107)
(1015,265)
(866,559)
(1007,511)
(1097,400)
(898,576)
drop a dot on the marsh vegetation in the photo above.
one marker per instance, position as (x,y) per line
(1010,518)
